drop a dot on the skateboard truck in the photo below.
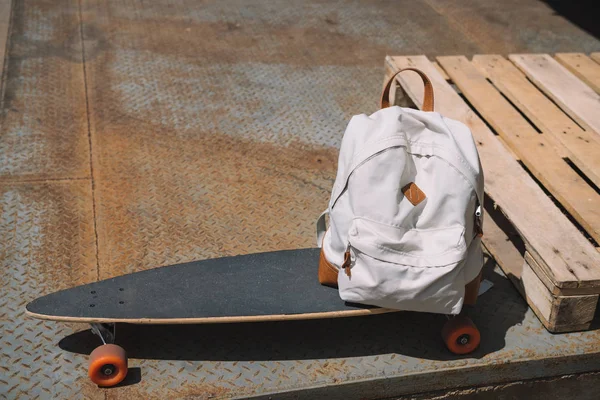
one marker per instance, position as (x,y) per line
(106,332)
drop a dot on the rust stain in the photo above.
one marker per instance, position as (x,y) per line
(212,195)
(171,190)
(87,389)
(47,243)
(53,228)
(328,371)
(247,41)
(43,123)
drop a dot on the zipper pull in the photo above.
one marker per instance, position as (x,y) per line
(478,221)
(346,264)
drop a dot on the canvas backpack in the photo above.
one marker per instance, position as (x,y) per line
(405,214)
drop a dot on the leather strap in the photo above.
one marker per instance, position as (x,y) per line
(427,99)
(321,227)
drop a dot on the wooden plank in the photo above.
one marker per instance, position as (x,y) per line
(566,313)
(578,198)
(498,244)
(557,313)
(555,243)
(441,71)
(571,94)
(595,57)
(580,146)
(536,293)
(502,241)
(582,67)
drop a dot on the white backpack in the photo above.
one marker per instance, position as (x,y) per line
(405,213)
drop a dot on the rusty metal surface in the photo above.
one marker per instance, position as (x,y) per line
(214,129)
(514,26)
(206,196)
(46,244)
(43,120)
(578,386)
(365,357)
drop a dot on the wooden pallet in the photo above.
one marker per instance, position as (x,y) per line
(535,120)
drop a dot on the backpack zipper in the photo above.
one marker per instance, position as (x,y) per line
(346,264)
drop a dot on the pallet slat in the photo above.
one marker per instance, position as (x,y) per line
(563,254)
(441,71)
(500,247)
(580,146)
(571,94)
(595,57)
(582,67)
(557,313)
(536,152)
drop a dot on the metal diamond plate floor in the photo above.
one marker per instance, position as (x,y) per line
(136,134)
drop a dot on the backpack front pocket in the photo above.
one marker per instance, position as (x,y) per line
(415,269)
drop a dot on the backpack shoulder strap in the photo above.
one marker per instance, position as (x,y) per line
(321,227)
(427,99)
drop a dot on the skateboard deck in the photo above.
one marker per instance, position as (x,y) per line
(279,285)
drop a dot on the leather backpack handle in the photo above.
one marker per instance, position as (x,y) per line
(427,99)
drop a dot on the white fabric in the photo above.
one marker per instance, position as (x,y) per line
(403,256)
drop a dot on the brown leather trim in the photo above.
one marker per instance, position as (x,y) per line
(472,290)
(413,193)
(346,265)
(427,98)
(328,273)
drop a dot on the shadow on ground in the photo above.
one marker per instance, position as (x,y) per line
(583,13)
(404,333)
(134,376)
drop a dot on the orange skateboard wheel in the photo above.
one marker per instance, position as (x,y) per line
(460,335)
(108,365)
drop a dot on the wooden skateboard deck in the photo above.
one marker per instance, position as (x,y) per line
(279,285)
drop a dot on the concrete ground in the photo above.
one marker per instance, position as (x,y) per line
(135,134)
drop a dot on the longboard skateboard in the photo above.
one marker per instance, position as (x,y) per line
(272,286)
